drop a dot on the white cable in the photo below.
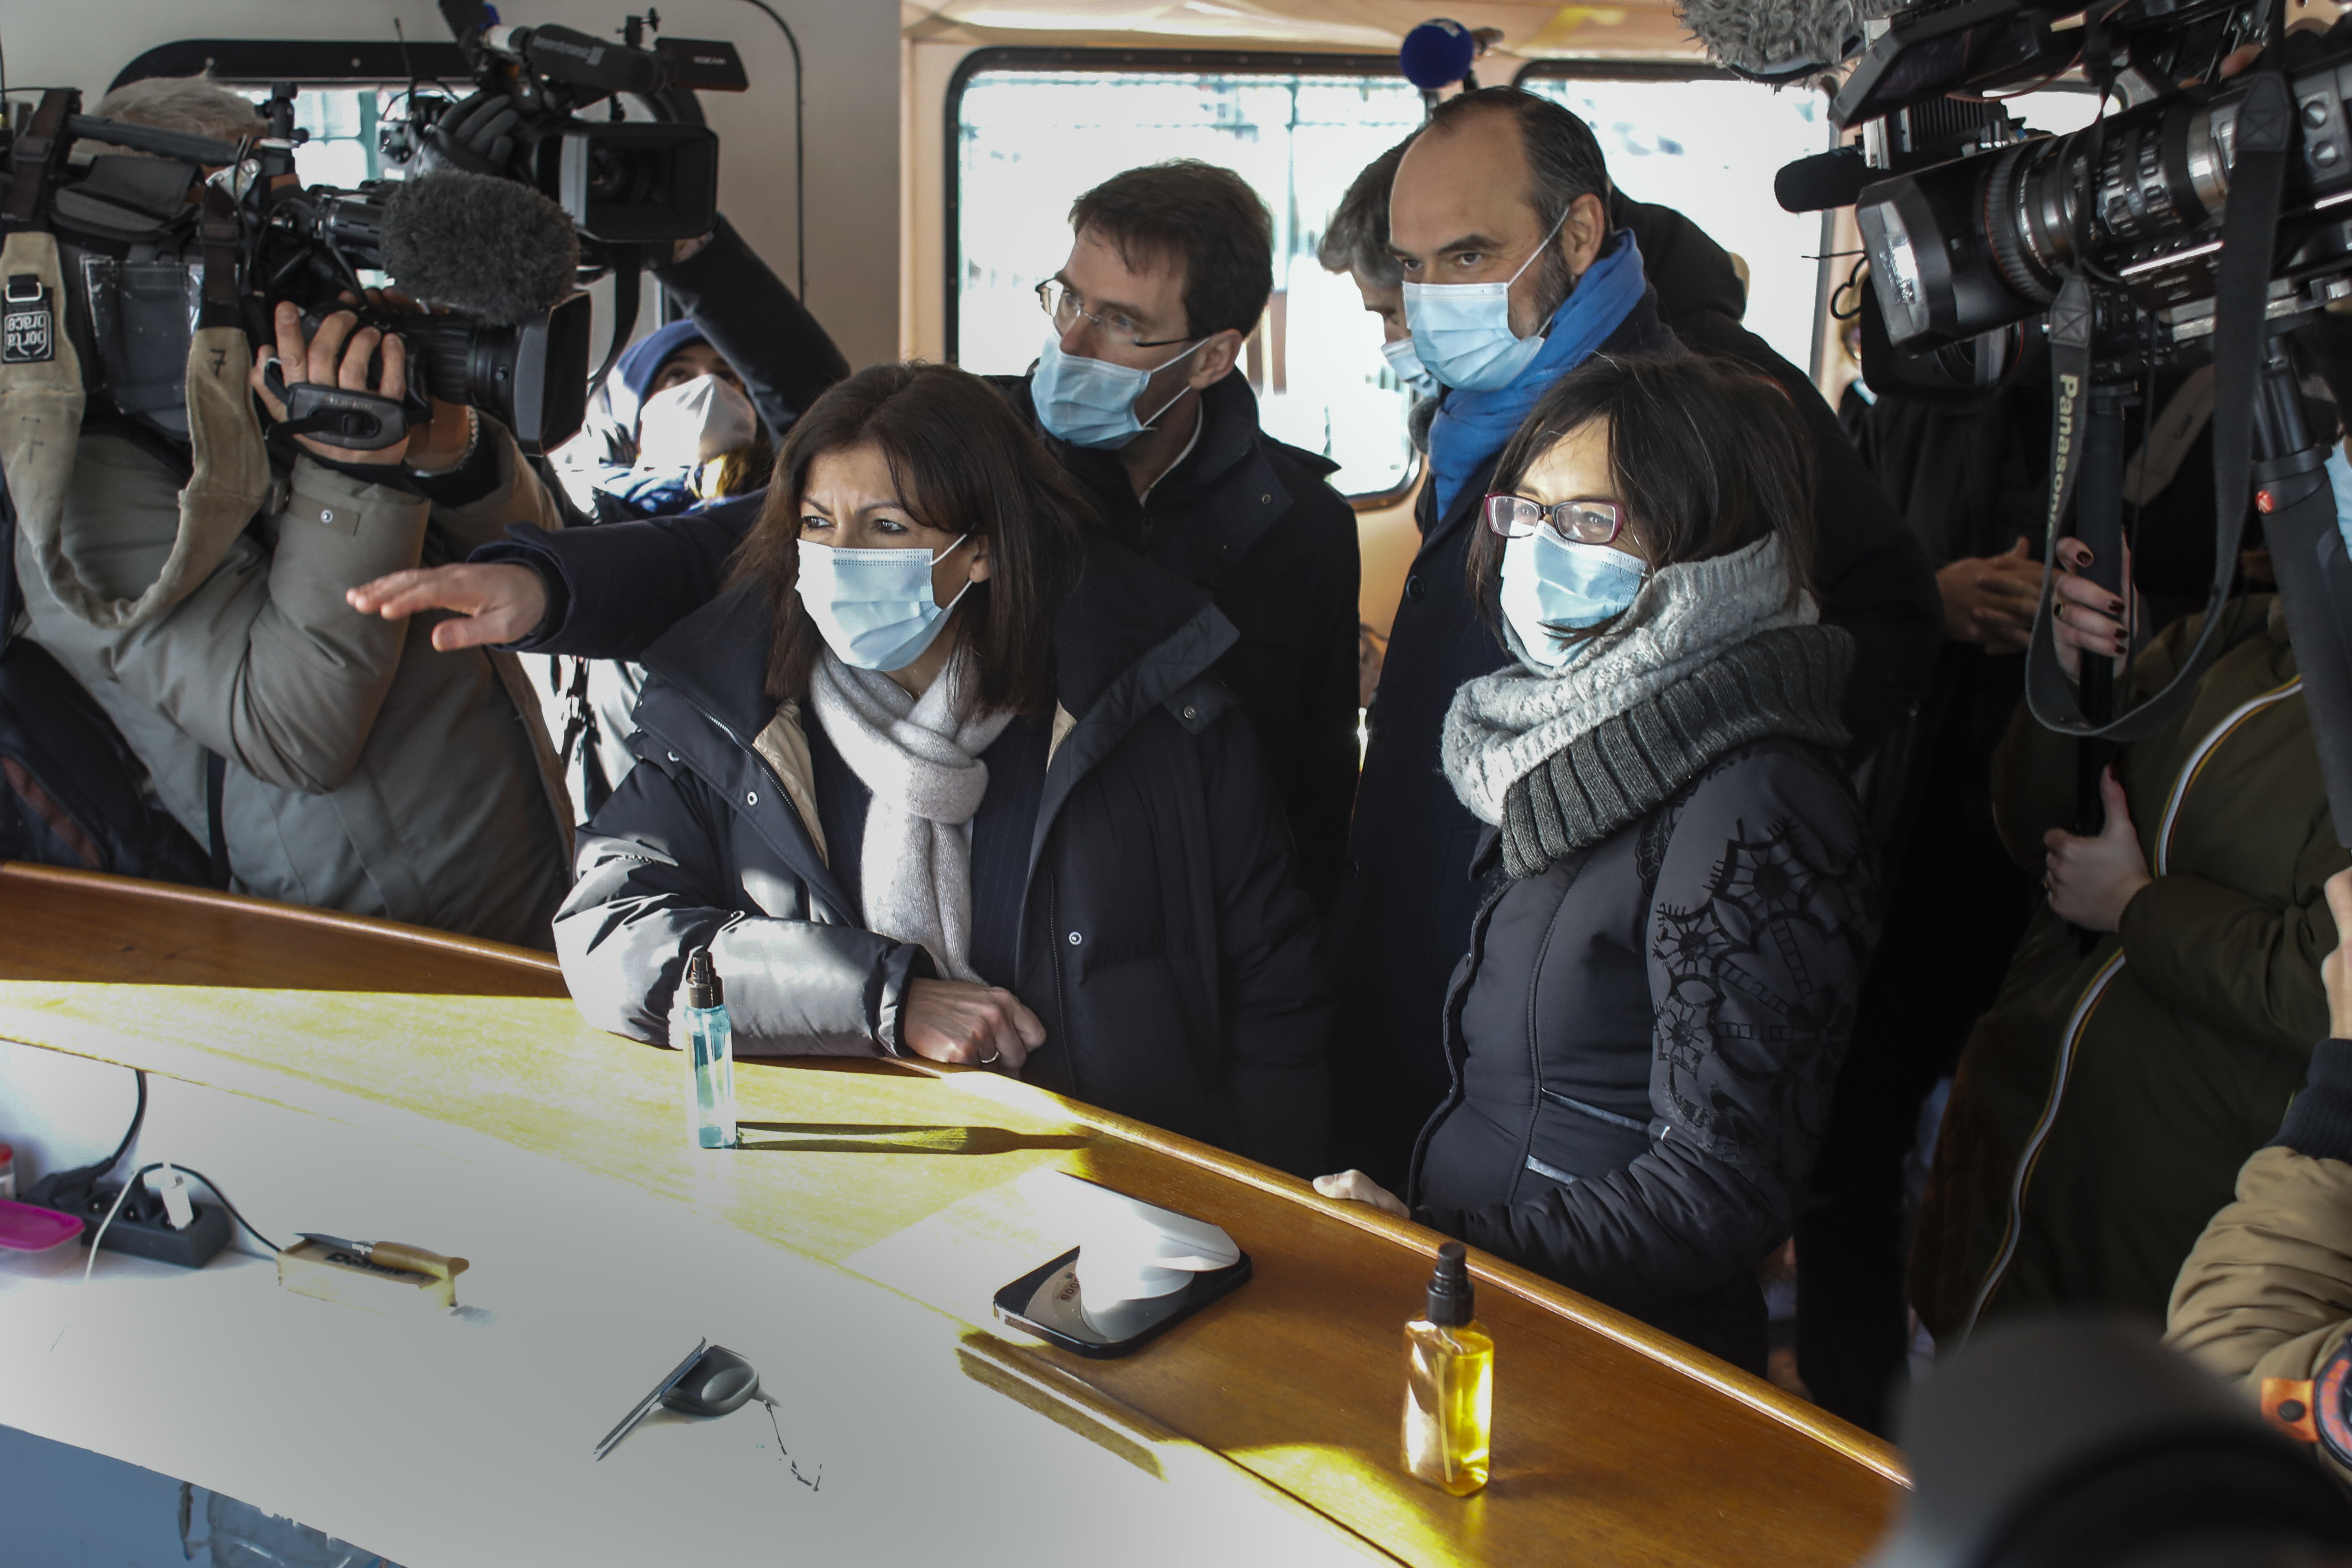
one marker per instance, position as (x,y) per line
(120,1193)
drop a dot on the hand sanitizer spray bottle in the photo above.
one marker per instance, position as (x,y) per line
(711,1042)
(1449,1383)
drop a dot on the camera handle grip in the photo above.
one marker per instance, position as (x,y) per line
(335,417)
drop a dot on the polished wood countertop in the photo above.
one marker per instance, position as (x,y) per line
(1614,1443)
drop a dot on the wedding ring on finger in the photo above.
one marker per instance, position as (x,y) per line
(991,1058)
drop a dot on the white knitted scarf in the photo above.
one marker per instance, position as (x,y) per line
(920,757)
(1505,725)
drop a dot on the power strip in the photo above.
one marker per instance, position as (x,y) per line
(139,1229)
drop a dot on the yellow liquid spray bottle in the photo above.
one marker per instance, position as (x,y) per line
(1449,1383)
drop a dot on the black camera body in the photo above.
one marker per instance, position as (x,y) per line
(1973,244)
(531,374)
(624,182)
(145,266)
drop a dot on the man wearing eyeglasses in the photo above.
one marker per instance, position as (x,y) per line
(1134,390)
(1170,269)
(1515,268)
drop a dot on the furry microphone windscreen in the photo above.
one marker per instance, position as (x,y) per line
(479,244)
(1768,37)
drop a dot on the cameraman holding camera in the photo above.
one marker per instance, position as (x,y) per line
(193,585)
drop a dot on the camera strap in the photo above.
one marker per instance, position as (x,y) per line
(2264,133)
(36,158)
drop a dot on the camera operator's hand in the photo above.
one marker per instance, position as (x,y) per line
(496,603)
(337,356)
(976,1026)
(2091,880)
(1990,599)
(476,136)
(2090,619)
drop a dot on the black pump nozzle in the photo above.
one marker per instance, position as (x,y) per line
(703,987)
(1450,1292)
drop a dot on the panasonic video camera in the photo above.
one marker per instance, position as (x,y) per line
(1973,222)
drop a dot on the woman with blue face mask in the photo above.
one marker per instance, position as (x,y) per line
(945,774)
(1662,979)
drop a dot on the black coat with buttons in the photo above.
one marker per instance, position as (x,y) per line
(1164,942)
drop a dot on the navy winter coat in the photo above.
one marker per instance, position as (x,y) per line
(1642,1041)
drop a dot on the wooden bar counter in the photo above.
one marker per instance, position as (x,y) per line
(1612,1444)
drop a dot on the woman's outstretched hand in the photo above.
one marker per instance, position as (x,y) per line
(1356,1187)
(2091,880)
(972,1026)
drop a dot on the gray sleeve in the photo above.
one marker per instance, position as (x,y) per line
(262,661)
(653,885)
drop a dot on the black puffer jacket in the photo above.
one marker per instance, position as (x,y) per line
(1643,1039)
(1400,920)
(1163,941)
(1241,515)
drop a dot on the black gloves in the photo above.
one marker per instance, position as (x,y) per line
(476,136)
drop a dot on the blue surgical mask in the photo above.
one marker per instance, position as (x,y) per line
(1091,402)
(1405,361)
(1462,331)
(875,607)
(1548,581)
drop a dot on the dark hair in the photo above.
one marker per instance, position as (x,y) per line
(1356,239)
(1197,214)
(963,461)
(1564,162)
(1705,455)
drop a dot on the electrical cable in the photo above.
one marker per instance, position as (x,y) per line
(99,1239)
(207,1180)
(86,1176)
(800,152)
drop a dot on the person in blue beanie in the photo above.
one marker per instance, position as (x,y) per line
(671,426)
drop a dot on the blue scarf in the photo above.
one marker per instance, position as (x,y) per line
(1471,426)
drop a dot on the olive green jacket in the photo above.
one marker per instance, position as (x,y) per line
(2103,1107)
(367,772)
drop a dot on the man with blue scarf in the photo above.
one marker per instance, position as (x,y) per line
(1515,273)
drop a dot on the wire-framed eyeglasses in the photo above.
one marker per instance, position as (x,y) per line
(1578,521)
(1060,301)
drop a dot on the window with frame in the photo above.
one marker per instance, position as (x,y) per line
(1707,144)
(1031,130)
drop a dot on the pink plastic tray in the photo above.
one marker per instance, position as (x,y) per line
(27,1227)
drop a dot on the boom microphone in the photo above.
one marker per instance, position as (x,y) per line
(1824,180)
(489,246)
(1776,39)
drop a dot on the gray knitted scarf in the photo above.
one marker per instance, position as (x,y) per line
(1713,656)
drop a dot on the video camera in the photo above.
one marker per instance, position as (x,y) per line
(2200,221)
(624,182)
(144,267)
(498,245)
